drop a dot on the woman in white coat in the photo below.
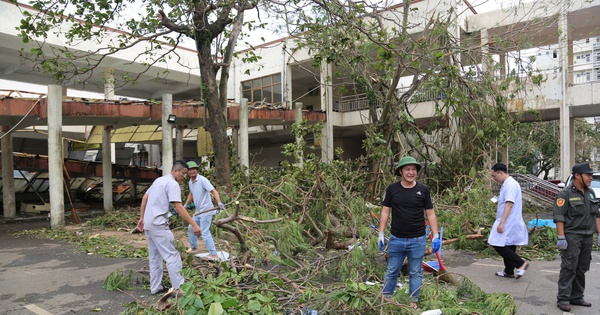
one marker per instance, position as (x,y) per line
(509,229)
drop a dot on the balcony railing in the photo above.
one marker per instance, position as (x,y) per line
(359,102)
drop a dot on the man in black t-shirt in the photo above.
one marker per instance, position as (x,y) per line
(407,200)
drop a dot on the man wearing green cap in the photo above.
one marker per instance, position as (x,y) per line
(200,192)
(406,201)
(577,219)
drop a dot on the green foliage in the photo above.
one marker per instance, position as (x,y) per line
(118,281)
(92,244)
(353,296)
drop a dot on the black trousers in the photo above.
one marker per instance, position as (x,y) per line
(512,261)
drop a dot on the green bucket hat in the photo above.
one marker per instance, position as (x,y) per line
(407,160)
(192,164)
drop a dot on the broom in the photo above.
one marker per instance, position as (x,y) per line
(443,274)
(75,218)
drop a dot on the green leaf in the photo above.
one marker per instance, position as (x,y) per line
(215,309)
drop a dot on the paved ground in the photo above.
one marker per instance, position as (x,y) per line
(535,293)
(48,277)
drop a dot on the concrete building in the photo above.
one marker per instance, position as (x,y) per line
(286,76)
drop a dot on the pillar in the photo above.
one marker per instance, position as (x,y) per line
(298,121)
(8,176)
(327,104)
(243,136)
(167,134)
(107,193)
(567,151)
(108,148)
(485,51)
(55,157)
(179,143)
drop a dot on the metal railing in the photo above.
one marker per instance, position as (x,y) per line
(536,189)
(359,102)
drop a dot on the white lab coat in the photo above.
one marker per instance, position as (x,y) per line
(515,231)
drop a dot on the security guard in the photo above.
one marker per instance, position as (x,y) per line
(577,219)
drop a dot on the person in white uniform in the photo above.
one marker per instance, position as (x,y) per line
(509,229)
(200,192)
(154,222)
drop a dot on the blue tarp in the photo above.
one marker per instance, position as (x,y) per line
(541,222)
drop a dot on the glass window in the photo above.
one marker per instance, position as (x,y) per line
(266,89)
(256,96)
(266,81)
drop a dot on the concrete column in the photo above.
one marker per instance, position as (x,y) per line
(454,122)
(504,153)
(288,87)
(107,193)
(167,134)
(108,148)
(179,143)
(567,151)
(8,175)
(485,51)
(298,121)
(243,138)
(327,105)
(133,190)
(55,157)
(109,84)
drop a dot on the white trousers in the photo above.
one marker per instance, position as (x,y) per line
(161,246)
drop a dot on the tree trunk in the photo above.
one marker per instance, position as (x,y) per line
(217,122)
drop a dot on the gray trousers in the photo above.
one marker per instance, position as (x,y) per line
(161,245)
(575,262)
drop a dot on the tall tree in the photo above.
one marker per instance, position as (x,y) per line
(214,27)
(415,45)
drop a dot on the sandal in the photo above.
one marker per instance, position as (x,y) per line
(521,271)
(502,274)
(413,305)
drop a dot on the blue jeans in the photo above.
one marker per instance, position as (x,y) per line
(414,250)
(204,222)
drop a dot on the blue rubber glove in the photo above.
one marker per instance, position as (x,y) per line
(221,206)
(562,242)
(190,206)
(381,241)
(436,244)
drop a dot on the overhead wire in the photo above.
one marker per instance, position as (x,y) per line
(20,121)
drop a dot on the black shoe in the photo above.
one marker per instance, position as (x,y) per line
(581,302)
(161,291)
(565,307)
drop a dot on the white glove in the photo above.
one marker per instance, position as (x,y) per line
(381,241)
(562,242)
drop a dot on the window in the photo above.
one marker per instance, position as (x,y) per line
(266,89)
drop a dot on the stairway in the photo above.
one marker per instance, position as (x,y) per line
(537,190)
